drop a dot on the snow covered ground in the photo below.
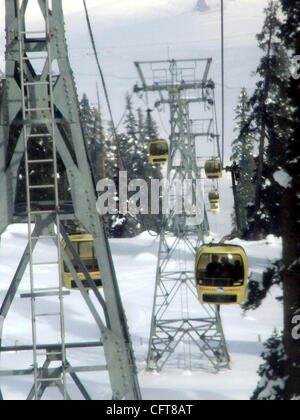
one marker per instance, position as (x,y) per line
(135,262)
(243,333)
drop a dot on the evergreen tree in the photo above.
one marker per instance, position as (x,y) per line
(290,203)
(97,146)
(133,145)
(142,130)
(281,371)
(101,147)
(1,85)
(269,107)
(130,121)
(242,154)
(123,151)
(258,290)
(87,122)
(102,152)
(117,222)
(151,127)
(150,132)
(272,384)
(126,225)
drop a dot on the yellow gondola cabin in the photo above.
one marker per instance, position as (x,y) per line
(221,273)
(214,196)
(213,169)
(215,207)
(84,246)
(214,201)
(158,151)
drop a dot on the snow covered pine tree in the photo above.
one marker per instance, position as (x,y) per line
(269,108)
(139,130)
(242,154)
(290,206)
(281,372)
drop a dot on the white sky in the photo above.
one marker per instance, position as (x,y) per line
(114,10)
(114,7)
(123,8)
(102,8)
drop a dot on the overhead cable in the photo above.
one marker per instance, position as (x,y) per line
(120,160)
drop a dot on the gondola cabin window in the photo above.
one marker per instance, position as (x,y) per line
(221,270)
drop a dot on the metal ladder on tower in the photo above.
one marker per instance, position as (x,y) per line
(33,131)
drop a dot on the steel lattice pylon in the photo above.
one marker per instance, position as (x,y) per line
(184,83)
(40,111)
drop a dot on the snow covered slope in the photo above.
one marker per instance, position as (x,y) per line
(135,262)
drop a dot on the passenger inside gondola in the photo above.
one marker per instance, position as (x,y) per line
(227,268)
(214,269)
(238,271)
